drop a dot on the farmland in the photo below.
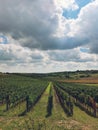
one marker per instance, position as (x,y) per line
(45,102)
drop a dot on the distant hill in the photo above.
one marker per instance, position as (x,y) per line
(64,75)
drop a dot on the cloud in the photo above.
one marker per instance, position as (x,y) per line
(66,4)
(41,25)
(72,55)
(13,54)
(40,37)
(19,59)
(86,26)
(36,24)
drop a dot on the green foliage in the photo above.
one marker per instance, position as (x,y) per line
(17,88)
(65,100)
(85,96)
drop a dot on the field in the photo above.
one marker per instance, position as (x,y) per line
(31,102)
(91,80)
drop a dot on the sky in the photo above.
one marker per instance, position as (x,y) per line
(40,36)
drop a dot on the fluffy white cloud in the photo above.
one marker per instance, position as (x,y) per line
(15,54)
(67,4)
(85,27)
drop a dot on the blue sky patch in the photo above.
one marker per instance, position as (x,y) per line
(69,14)
(84,50)
(3,39)
(73,14)
(82,3)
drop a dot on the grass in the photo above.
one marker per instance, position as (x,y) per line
(58,119)
(2,108)
(86,80)
(86,121)
(14,111)
(17,110)
(95,85)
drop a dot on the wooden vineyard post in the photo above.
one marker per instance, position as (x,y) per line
(94,107)
(93,102)
(27,103)
(7,102)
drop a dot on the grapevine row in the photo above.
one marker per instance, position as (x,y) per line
(83,96)
(65,100)
(16,89)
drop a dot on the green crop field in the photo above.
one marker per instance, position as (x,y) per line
(39,103)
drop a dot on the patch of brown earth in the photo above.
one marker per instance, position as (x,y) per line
(75,125)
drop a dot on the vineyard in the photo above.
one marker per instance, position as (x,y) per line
(38,104)
(84,97)
(16,90)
